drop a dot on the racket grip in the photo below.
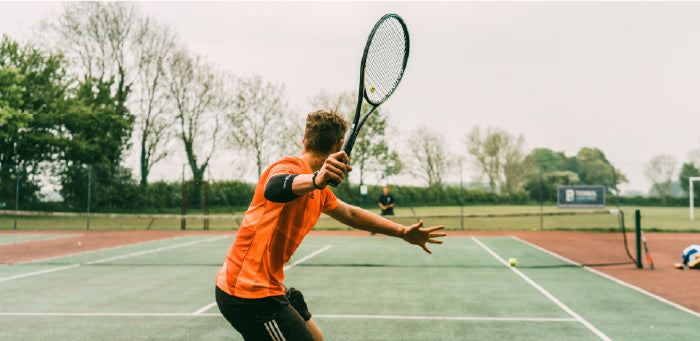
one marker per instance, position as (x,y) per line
(347,147)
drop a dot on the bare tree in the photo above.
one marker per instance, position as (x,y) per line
(114,41)
(660,171)
(260,120)
(499,156)
(515,166)
(195,93)
(153,124)
(429,156)
(98,38)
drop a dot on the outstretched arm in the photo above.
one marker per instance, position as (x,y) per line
(364,220)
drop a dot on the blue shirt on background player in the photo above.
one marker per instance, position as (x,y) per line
(386,202)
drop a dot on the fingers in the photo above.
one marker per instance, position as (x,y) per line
(340,156)
(426,249)
(415,226)
(334,168)
(434,228)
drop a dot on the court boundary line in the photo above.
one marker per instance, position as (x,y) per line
(546,293)
(321,316)
(609,277)
(133,254)
(39,261)
(200,311)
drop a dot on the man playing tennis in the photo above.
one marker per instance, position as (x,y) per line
(289,198)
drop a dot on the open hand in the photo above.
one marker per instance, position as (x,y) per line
(420,236)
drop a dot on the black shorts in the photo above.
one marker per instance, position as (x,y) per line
(270,318)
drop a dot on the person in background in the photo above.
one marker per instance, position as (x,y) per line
(386,202)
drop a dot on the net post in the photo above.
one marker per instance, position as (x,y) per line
(638,237)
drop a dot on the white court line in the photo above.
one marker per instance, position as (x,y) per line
(307,257)
(329,316)
(134,254)
(450,318)
(545,292)
(638,289)
(210,305)
(205,308)
(5,279)
(60,268)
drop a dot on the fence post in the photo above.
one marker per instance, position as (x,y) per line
(88,195)
(17,170)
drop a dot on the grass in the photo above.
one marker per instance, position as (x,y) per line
(654,219)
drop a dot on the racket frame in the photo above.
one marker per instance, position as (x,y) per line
(359,119)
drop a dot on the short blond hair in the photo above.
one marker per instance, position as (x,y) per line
(324,129)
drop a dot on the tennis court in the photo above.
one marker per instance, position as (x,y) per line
(358,288)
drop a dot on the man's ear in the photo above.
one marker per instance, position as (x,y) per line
(338,146)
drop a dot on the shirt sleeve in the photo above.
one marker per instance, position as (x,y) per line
(330,201)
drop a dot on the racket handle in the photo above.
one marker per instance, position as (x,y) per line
(347,147)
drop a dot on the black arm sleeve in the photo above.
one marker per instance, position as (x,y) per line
(279,188)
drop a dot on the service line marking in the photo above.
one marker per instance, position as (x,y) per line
(546,293)
(201,311)
(104,260)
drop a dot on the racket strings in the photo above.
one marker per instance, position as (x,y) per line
(385,61)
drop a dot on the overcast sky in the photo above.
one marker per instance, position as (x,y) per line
(623,77)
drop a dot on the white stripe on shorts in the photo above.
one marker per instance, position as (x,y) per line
(274,330)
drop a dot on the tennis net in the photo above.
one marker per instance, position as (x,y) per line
(73,238)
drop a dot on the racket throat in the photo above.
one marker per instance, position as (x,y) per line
(349,141)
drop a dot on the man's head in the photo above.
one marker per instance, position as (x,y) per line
(386,190)
(324,131)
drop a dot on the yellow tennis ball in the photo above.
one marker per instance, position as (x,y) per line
(79,243)
(513,262)
(371,89)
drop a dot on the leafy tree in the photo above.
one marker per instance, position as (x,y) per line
(113,43)
(96,135)
(588,167)
(548,160)
(32,97)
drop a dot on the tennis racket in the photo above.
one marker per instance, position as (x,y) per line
(381,69)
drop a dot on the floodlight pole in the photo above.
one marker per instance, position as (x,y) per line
(691,194)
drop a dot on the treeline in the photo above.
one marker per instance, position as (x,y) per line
(235,196)
(102,79)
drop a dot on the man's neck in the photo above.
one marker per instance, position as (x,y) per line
(314,159)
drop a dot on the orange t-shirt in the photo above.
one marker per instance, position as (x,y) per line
(269,235)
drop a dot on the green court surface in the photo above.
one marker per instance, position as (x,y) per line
(358,288)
